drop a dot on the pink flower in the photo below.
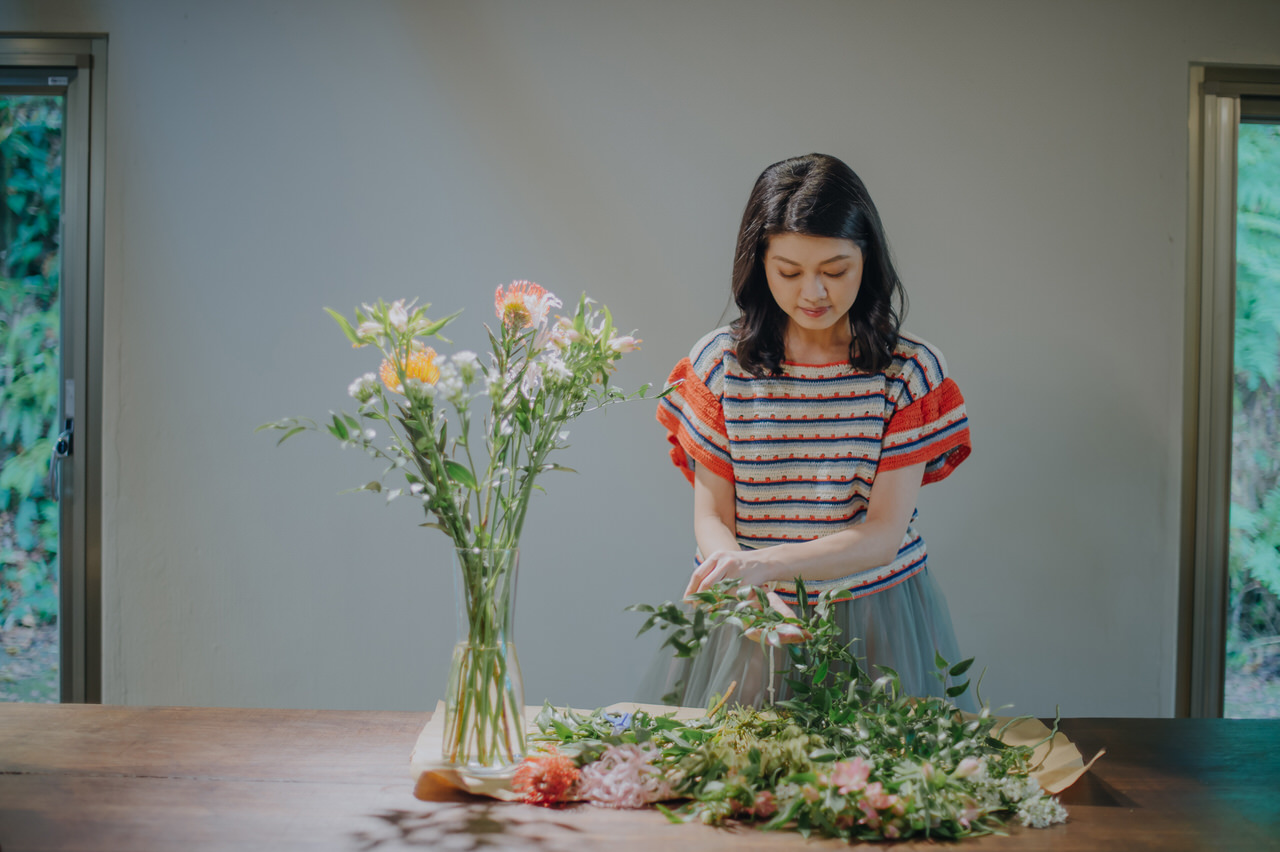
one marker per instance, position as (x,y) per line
(624,777)
(891,832)
(850,775)
(624,343)
(971,812)
(563,333)
(766,805)
(967,767)
(875,796)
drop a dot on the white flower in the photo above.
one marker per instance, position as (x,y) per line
(415,488)
(467,364)
(418,388)
(555,367)
(398,316)
(532,382)
(1041,812)
(364,388)
(369,328)
(370,434)
(539,306)
(450,384)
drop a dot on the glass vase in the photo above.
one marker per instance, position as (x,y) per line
(484,731)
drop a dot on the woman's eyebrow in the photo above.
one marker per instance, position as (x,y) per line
(823,263)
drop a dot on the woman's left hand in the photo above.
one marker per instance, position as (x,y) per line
(752,567)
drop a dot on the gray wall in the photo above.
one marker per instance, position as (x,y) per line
(269,158)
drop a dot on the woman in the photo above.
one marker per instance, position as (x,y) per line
(807,428)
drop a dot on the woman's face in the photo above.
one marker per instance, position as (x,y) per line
(814,279)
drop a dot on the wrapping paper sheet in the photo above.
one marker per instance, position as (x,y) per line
(1058,762)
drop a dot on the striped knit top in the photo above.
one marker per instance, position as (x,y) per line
(803,448)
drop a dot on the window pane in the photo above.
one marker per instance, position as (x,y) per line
(1252,686)
(31,169)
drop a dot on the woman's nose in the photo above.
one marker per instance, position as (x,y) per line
(816,288)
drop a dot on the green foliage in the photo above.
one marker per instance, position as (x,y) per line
(1254,617)
(846,756)
(31,167)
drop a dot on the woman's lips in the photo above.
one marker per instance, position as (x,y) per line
(813,312)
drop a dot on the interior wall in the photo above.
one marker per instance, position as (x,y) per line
(266,159)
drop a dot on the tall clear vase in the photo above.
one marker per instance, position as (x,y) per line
(484,704)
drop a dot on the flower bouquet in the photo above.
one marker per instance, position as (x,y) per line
(846,756)
(542,372)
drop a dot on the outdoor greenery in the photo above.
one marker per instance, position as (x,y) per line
(31,168)
(1253,632)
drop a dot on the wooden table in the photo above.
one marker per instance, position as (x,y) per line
(143,778)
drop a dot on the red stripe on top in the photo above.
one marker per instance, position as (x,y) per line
(699,397)
(685,447)
(952,449)
(932,406)
(694,393)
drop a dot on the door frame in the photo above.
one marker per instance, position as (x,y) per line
(1220,97)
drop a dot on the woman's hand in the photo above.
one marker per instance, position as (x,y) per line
(752,567)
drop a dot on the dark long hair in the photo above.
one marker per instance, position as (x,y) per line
(819,196)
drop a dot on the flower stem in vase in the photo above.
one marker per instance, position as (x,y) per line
(484,726)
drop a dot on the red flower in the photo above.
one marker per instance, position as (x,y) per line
(544,779)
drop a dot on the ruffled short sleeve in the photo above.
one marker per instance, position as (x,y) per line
(693,413)
(928,422)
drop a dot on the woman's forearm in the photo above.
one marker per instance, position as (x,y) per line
(712,535)
(850,551)
(867,545)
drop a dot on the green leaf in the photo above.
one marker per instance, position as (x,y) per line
(961,667)
(287,435)
(461,474)
(346,326)
(435,327)
(958,689)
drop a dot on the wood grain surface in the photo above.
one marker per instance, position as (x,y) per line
(76,777)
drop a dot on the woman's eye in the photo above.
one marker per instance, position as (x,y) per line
(789,274)
(835,274)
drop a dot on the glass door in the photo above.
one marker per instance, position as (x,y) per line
(31,169)
(1252,670)
(1229,636)
(52,190)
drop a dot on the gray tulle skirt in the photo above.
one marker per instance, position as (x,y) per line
(901,627)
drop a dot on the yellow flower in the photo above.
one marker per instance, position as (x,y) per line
(420,366)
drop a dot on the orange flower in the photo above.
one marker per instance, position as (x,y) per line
(545,779)
(524,304)
(420,366)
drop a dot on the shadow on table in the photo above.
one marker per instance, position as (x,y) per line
(466,825)
(1092,791)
